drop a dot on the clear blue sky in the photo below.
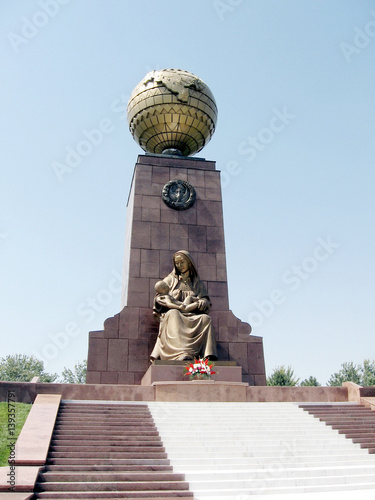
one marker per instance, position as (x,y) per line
(298,191)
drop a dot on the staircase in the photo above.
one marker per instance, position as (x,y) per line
(354,421)
(108,450)
(234,450)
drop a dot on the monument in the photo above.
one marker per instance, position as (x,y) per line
(175,294)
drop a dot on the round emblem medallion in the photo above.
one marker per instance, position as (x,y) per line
(178,194)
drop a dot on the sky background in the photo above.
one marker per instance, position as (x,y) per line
(298,211)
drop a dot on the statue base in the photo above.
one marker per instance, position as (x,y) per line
(120,353)
(173,371)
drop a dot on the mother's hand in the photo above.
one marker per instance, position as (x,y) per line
(202,304)
(162,300)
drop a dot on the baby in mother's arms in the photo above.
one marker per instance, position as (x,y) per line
(165,299)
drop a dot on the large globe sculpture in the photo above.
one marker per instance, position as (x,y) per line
(172,111)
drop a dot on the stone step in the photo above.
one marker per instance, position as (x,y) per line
(282,473)
(273,482)
(123,441)
(109,454)
(91,495)
(347,420)
(280,454)
(286,492)
(112,467)
(136,448)
(104,420)
(364,431)
(100,406)
(96,439)
(266,465)
(342,409)
(114,486)
(87,432)
(111,476)
(214,448)
(103,409)
(363,440)
(113,427)
(133,436)
(357,411)
(356,427)
(103,414)
(125,462)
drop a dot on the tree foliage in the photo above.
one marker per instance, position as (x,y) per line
(76,376)
(22,368)
(349,372)
(368,373)
(282,376)
(311,381)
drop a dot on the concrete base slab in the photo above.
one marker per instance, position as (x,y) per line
(164,371)
(108,392)
(200,390)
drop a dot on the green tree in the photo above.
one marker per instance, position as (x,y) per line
(22,368)
(368,373)
(76,376)
(311,381)
(349,373)
(281,376)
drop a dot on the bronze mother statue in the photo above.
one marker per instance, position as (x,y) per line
(181,305)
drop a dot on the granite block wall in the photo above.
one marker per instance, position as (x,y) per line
(120,353)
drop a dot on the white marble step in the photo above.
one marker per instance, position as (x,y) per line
(283,473)
(354,491)
(249,464)
(242,449)
(279,482)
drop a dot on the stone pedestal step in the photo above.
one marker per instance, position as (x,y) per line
(103,421)
(91,495)
(111,476)
(112,442)
(111,468)
(346,418)
(114,486)
(109,454)
(75,462)
(118,427)
(68,440)
(88,433)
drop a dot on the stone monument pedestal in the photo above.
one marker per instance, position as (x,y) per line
(168,371)
(120,353)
